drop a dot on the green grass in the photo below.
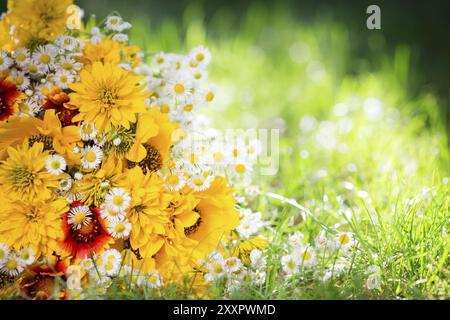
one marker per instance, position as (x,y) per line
(272,72)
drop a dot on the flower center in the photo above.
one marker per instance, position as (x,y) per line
(306,256)
(209,96)
(46,140)
(107,97)
(88,232)
(45,58)
(90,156)
(173,179)
(178,88)
(152,161)
(11,264)
(217,268)
(21,177)
(117,200)
(199,57)
(240,168)
(192,229)
(119,228)
(344,239)
(21,56)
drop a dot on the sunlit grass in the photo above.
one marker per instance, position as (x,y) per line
(375,165)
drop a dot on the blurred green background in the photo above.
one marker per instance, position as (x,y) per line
(274,33)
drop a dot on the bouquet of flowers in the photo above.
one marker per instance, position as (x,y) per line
(103,177)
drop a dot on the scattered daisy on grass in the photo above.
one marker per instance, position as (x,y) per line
(344,240)
(155,280)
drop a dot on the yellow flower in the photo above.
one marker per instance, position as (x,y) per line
(217,217)
(243,249)
(105,51)
(177,249)
(35,225)
(23,174)
(94,186)
(6,41)
(38,21)
(147,211)
(48,131)
(108,96)
(154,137)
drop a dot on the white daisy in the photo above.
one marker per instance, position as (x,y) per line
(289,264)
(88,131)
(69,64)
(199,56)
(65,185)
(198,76)
(111,215)
(257,259)
(78,176)
(55,164)
(119,229)
(174,181)
(91,157)
(26,255)
(199,182)
(97,35)
(87,264)
(28,107)
(240,172)
(208,94)
(112,255)
(296,239)
(179,89)
(45,56)
(112,260)
(305,256)
(117,200)
(63,78)
(154,280)
(22,57)
(12,266)
(34,69)
(258,277)
(5,61)
(20,79)
(115,23)
(79,216)
(232,264)
(67,43)
(216,268)
(160,60)
(120,37)
(344,240)
(4,253)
